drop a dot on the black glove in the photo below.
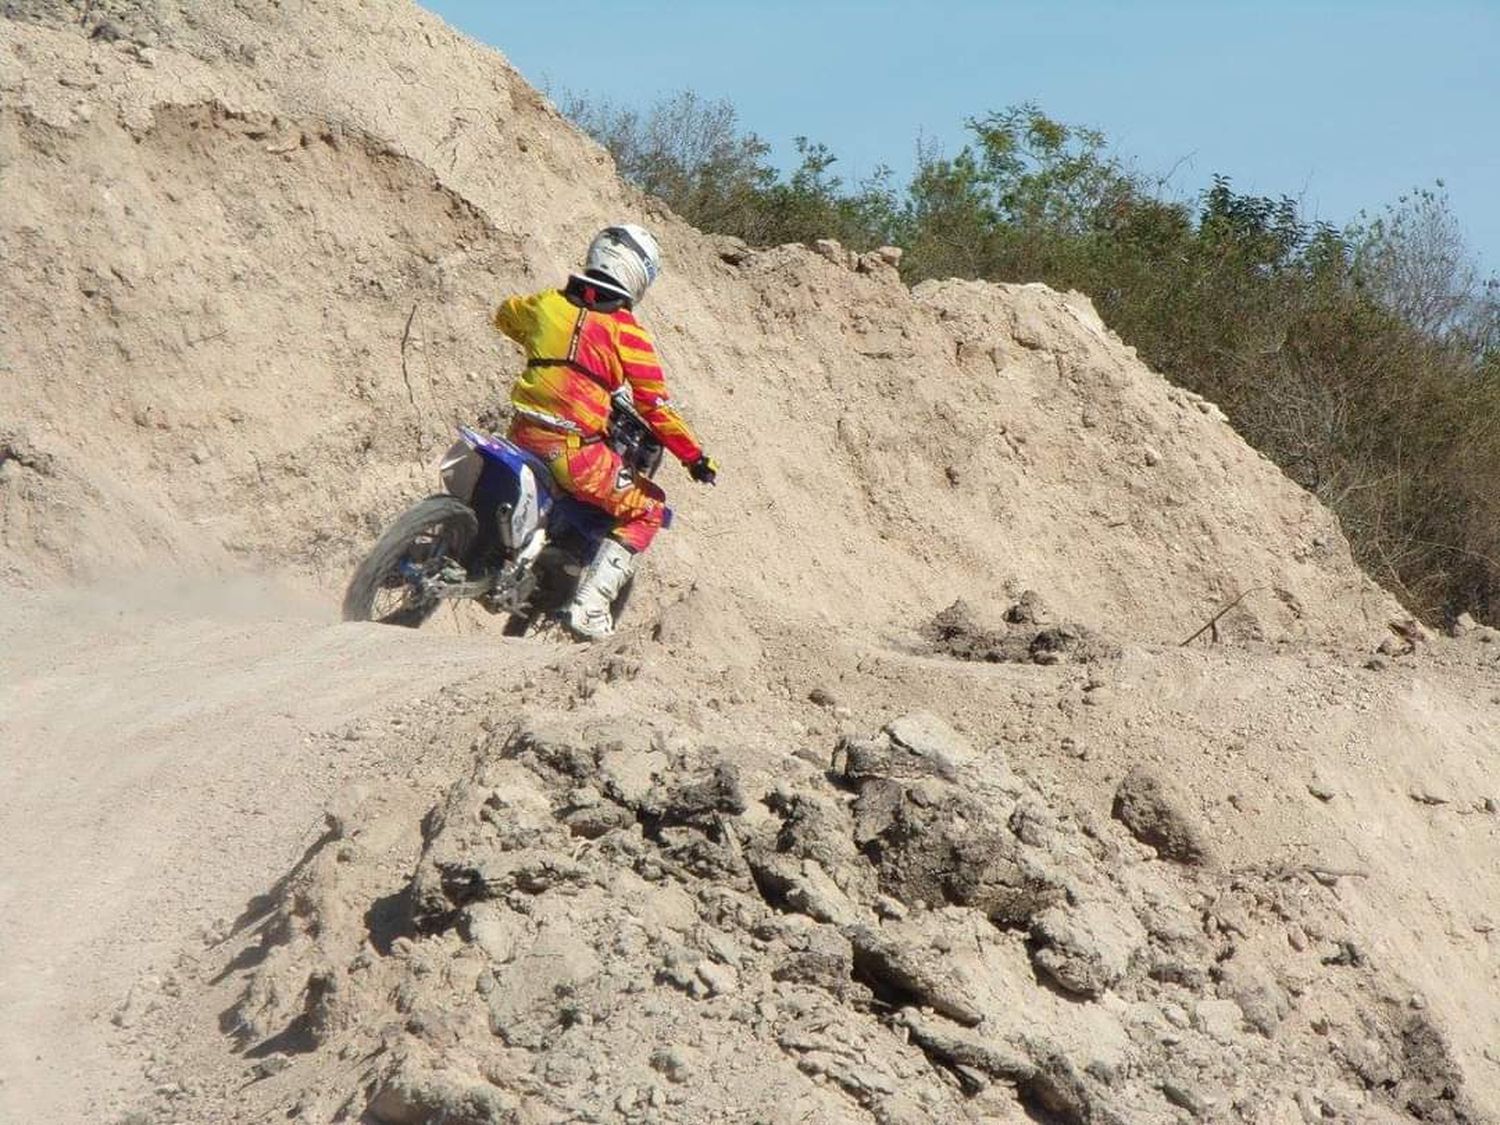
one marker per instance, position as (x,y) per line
(705,470)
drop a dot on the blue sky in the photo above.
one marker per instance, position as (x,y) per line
(1342,104)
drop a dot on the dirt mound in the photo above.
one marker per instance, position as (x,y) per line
(264,286)
(622,919)
(1025,635)
(197,341)
(877,885)
(808,841)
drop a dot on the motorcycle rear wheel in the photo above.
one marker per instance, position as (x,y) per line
(422,538)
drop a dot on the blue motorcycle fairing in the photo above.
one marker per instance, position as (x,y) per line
(510,455)
(514,493)
(499,483)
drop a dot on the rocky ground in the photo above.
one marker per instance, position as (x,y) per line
(819,900)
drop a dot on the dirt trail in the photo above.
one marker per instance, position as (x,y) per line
(167,754)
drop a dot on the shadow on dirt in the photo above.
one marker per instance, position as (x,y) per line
(259,918)
(389,918)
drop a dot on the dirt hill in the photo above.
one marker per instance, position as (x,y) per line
(808,841)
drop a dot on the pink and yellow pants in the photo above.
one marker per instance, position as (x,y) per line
(593,472)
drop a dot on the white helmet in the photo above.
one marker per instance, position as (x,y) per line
(628,258)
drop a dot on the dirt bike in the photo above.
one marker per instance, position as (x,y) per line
(501,533)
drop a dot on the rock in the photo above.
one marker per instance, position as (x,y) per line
(933,842)
(523,1009)
(1086,949)
(732,251)
(417,1098)
(559,750)
(584,797)
(1154,813)
(802,885)
(834,251)
(675,1063)
(1029,609)
(495,929)
(532,871)
(140,1001)
(815,827)
(878,809)
(593,821)
(1218,1019)
(1150,456)
(877,263)
(913,974)
(1060,1089)
(924,734)
(1185,1097)
(861,1081)
(271,1064)
(1346,953)
(629,774)
(564,1070)
(1261,999)
(340,815)
(1033,822)
(627,1100)
(1432,1082)
(1078,644)
(957,632)
(825,961)
(881,759)
(679,968)
(109,31)
(17,448)
(957,1046)
(718,979)
(1425,796)
(695,800)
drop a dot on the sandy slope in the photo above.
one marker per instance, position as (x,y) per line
(270,298)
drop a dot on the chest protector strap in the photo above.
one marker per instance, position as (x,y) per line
(571,360)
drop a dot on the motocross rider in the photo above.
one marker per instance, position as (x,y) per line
(584,346)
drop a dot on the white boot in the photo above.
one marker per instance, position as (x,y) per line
(598,587)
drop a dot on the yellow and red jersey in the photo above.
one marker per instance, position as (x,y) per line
(577,357)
